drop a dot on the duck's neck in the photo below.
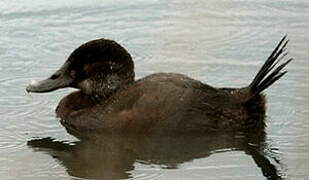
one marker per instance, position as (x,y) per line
(100,89)
(103,94)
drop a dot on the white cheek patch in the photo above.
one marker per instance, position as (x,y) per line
(86,86)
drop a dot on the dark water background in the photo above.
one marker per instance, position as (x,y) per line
(222,43)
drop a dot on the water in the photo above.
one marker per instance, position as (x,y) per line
(222,43)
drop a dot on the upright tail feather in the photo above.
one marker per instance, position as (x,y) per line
(266,75)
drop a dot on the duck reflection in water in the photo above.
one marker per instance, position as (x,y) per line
(113,157)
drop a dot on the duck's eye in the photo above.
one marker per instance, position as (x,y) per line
(55,76)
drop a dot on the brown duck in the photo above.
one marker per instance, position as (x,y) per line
(110,100)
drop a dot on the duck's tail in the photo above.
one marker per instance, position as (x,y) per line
(270,72)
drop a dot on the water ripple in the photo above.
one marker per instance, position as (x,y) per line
(10,141)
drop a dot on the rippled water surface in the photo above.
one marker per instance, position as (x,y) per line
(222,43)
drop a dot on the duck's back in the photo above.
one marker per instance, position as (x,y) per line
(176,103)
(163,102)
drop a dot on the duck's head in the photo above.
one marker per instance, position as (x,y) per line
(98,67)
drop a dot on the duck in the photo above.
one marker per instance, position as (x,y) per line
(109,100)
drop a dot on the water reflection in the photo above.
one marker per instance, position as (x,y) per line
(113,157)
